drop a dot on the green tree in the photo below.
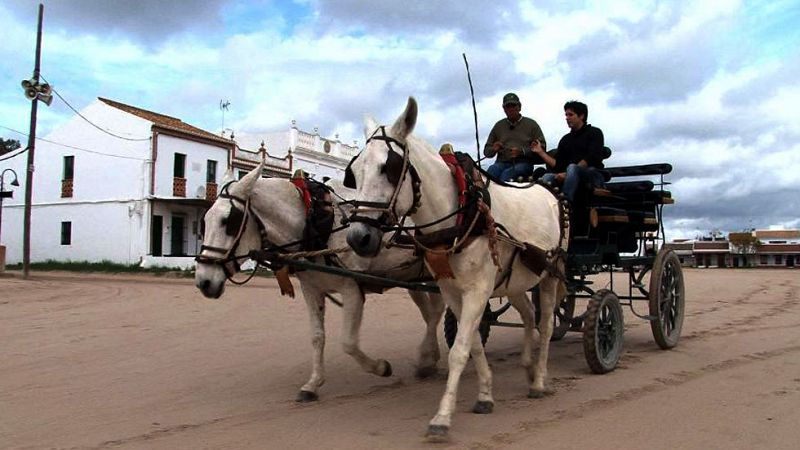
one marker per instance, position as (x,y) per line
(8,145)
(744,243)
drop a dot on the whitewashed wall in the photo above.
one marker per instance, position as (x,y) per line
(196,156)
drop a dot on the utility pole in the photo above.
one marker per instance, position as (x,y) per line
(26,237)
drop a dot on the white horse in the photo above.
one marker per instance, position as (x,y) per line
(386,191)
(232,228)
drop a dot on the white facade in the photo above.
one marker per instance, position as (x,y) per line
(318,156)
(124,205)
(120,184)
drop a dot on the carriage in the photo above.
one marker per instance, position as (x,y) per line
(615,229)
(398,176)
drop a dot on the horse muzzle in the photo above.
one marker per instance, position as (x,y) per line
(364,239)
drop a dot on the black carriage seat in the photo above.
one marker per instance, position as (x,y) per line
(622,210)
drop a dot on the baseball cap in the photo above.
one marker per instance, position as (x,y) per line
(510,98)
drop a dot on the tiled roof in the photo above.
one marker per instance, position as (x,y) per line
(779,248)
(164,121)
(718,245)
(778,234)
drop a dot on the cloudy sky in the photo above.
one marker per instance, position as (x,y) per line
(709,86)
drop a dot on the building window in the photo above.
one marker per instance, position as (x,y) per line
(69,173)
(69,167)
(764,260)
(179,171)
(779,259)
(66,233)
(211,171)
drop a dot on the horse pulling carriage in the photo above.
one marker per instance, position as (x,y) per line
(399,176)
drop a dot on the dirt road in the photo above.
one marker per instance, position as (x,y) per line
(93,361)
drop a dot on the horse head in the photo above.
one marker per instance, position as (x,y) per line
(386,183)
(230,233)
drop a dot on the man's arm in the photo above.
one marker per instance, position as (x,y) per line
(594,149)
(490,149)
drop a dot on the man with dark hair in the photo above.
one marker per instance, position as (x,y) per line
(512,139)
(579,153)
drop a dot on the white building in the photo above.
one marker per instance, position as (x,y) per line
(131,186)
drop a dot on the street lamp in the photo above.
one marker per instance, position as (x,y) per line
(4,194)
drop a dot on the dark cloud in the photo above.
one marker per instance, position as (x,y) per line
(643,63)
(149,22)
(474,21)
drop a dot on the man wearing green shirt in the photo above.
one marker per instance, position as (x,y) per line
(512,140)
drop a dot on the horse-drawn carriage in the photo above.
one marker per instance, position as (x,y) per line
(525,239)
(615,229)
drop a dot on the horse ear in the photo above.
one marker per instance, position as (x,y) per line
(406,122)
(370,125)
(245,185)
(228,177)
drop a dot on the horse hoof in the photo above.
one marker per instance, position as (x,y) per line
(387,368)
(306,397)
(483,407)
(437,433)
(426,372)
(533,393)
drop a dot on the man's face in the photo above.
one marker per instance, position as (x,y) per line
(512,111)
(574,121)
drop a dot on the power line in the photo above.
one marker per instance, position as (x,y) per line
(68,146)
(89,121)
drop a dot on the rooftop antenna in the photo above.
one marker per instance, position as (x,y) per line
(223,106)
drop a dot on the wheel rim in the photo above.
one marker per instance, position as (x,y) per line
(607,332)
(670,299)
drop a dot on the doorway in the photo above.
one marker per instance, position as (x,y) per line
(177,233)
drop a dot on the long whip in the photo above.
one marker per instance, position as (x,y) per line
(474,113)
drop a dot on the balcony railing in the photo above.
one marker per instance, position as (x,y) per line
(66,188)
(179,187)
(211,192)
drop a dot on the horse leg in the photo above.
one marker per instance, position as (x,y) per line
(547,300)
(523,305)
(431,307)
(469,308)
(353,305)
(315,303)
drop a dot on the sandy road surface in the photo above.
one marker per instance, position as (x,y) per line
(93,361)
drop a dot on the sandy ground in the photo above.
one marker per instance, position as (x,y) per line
(96,361)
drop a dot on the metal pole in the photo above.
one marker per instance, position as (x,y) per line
(26,237)
(2,188)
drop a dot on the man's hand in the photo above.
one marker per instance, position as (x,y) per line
(561,177)
(514,152)
(536,147)
(497,146)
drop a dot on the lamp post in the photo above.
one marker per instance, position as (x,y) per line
(4,194)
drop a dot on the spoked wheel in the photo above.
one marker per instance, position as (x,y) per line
(667,299)
(451,326)
(564,312)
(602,332)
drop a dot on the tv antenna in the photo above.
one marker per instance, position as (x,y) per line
(223,106)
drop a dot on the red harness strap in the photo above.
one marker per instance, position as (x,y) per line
(300,184)
(461,181)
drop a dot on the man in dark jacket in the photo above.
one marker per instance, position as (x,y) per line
(579,153)
(511,139)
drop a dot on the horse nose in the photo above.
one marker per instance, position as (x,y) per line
(205,285)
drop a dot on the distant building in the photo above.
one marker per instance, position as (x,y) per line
(771,248)
(131,186)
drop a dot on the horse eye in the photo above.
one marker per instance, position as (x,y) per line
(383,168)
(224,221)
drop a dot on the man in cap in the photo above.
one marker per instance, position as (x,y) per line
(513,140)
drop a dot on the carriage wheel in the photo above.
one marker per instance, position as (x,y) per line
(666,299)
(451,327)
(562,317)
(602,332)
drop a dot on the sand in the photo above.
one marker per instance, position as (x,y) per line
(104,361)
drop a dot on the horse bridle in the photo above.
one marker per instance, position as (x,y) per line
(235,225)
(396,169)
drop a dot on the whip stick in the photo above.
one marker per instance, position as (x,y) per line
(474,113)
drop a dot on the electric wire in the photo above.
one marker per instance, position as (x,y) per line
(110,155)
(89,121)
